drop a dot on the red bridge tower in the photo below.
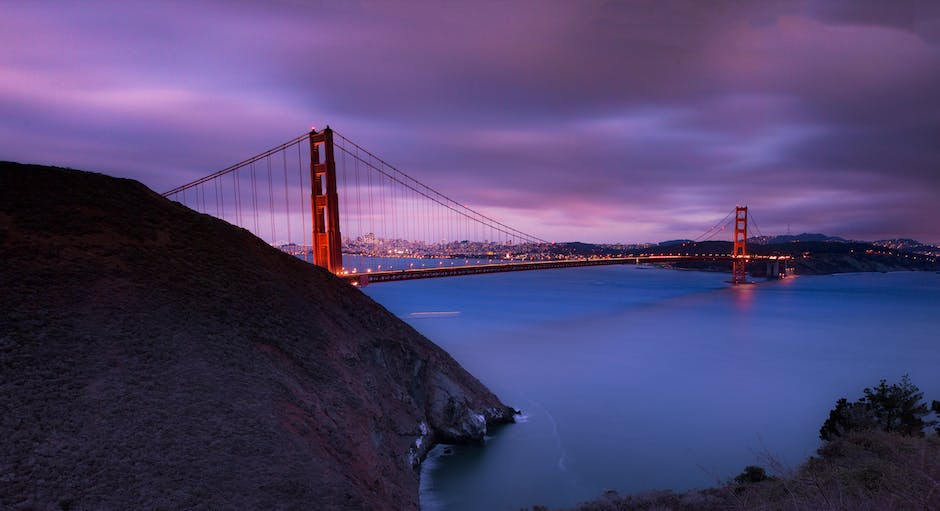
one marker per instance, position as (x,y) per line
(739,251)
(327,241)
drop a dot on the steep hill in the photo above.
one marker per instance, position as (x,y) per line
(155,358)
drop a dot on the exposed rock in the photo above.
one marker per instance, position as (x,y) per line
(155,358)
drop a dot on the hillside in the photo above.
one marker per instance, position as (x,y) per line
(155,358)
(862,471)
(812,258)
(813,254)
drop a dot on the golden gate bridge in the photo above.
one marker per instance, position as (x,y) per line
(305,194)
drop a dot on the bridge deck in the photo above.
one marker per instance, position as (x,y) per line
(362,279)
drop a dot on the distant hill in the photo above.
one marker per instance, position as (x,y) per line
(787,238)
(824,257)
(813,253)
(155,358)
(814,257)
(672,243)
(810,257)
(909,245)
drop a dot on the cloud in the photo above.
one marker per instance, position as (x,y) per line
(602,121)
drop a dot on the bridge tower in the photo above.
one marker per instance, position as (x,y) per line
(327,241)
(739,250)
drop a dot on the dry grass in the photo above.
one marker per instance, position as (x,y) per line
(862,471)
(155,358)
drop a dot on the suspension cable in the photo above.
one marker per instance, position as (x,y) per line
(505,230)
(715,229)
(446,198)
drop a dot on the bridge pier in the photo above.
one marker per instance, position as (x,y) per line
(778,269)
(773,269)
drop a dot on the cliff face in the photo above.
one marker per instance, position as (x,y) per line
(155,358)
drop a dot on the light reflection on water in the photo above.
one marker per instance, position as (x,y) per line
(635,378)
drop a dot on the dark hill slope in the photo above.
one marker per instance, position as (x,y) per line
(156,358)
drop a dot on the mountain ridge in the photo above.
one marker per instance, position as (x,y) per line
(157,358)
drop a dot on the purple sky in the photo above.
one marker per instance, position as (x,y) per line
(592,121)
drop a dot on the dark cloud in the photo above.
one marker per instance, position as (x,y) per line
(916,16)
(629,121)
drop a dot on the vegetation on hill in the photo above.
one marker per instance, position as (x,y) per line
(155,358)
(877,455)
(894,408)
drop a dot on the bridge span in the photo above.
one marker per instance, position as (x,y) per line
(323,191)
(370,277)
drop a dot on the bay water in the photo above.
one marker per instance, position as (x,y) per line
(635,378)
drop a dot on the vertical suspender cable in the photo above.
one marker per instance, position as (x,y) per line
(390,228)
(345,201)
(238,199)
(254,196)
(286,196)
(221,195)
(284,164)
(359,232)
(384,211)
(303,209)
(271,200)
(371,223)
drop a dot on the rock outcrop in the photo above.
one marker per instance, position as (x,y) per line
(155,358)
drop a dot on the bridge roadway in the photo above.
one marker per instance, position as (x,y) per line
(362,279)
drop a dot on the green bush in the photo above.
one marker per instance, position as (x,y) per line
(898,407)
(752,474)
(935,406)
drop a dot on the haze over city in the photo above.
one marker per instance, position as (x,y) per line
(590,121)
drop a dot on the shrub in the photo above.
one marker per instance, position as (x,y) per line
(898,407)
(751,474)
(935,406)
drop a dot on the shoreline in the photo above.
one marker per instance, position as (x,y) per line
(458,484)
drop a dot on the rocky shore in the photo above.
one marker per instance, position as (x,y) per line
(155,358)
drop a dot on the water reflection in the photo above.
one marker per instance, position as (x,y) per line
(743,296)
(635,379)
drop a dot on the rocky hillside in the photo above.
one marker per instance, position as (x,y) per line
(155,358)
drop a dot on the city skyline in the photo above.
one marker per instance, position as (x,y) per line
(600,122)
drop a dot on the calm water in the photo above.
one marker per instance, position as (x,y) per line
(632,378)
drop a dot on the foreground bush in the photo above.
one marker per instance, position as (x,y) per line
(859,471)
(876,457)
(898,407)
